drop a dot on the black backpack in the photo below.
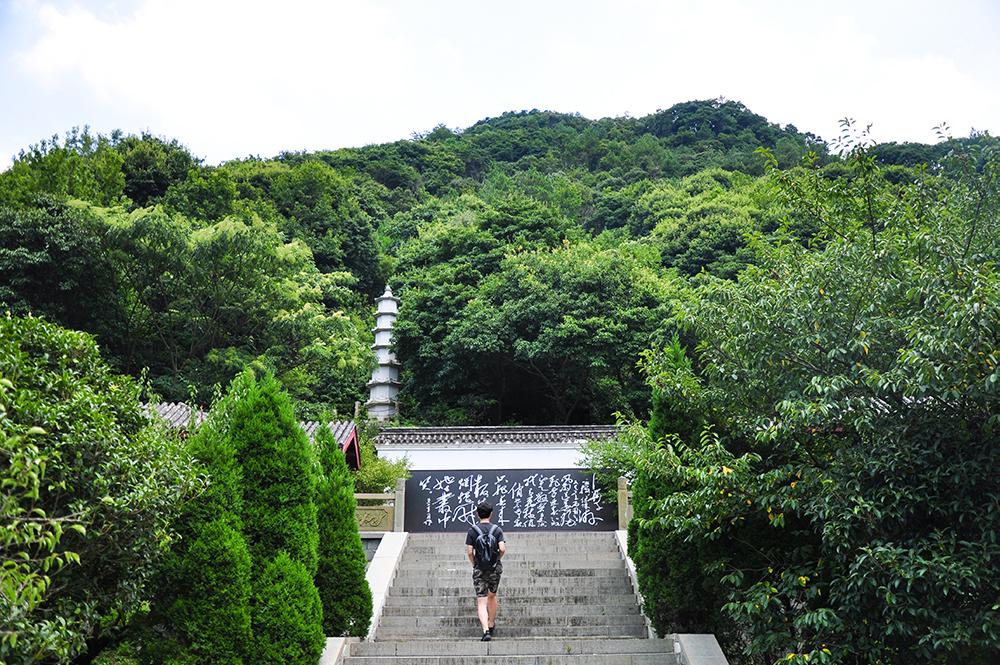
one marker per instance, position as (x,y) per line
(487,549)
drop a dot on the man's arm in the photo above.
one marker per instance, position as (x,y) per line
(503,548)
(472,555)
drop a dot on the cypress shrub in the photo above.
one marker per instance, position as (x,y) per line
(288,615)
(677,594)
(191,614)
(216,612)
(340,578)
(239,586)
(279,477)
(205,616)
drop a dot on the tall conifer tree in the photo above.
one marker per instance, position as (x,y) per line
(279,477)
(347,599)
(279,522)
(201,607)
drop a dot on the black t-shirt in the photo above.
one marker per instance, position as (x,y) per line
(470,538)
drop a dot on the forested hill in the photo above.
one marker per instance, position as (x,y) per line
(680,141)
(537,254)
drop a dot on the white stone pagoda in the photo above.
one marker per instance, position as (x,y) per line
(384,384)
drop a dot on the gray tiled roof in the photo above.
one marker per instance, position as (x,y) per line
(340,429)
(516,436)
(177,415)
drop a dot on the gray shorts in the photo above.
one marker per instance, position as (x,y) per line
(486,581)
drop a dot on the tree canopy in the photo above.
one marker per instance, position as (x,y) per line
(864,368)
(193,272)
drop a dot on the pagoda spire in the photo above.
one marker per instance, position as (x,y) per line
(384,384)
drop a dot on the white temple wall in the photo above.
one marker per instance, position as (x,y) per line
(510,458)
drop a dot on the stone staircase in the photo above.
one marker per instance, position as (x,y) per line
(565,599)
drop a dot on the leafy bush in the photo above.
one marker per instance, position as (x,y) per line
(375,474)
(87,517)
(864,368)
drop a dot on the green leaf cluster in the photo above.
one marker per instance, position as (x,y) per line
(89,488)
(197,272)
(514,322)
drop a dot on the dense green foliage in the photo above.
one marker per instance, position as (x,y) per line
(679,596)
(195,288)
(865,368)
(51,266)
(279,522)
(278,511)
(287,614)
(213,604)
(90,488)
(204,301)
(376,475)
(340,577)
(173,632)
(197,272)
(254,534)
(539,328)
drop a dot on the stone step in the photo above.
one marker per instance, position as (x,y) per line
(512,540)
(515,652)
(467,599)
(459,576)
(518,561)
(522,558)
(536,550)
(603,631)
(564,598)
(514,566)
(505,647)
(470,620)
(513,659)
(513,611)
(516,534)
(593,587)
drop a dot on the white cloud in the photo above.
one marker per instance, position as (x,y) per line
(231,78)
(233,68)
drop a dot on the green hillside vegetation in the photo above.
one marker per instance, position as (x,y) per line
(193,272)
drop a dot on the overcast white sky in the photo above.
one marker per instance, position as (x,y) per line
(231,78)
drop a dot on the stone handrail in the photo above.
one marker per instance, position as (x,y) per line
(385,517)
(624,504)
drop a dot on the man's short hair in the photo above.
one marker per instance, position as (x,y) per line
(485,509)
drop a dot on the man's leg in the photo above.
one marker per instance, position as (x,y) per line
(481,603)
(491,607)
(482,589)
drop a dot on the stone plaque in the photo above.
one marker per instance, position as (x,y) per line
(374,518)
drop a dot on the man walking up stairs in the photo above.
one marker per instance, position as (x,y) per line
(567,601)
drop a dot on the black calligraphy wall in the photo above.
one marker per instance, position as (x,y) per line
(524,500)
